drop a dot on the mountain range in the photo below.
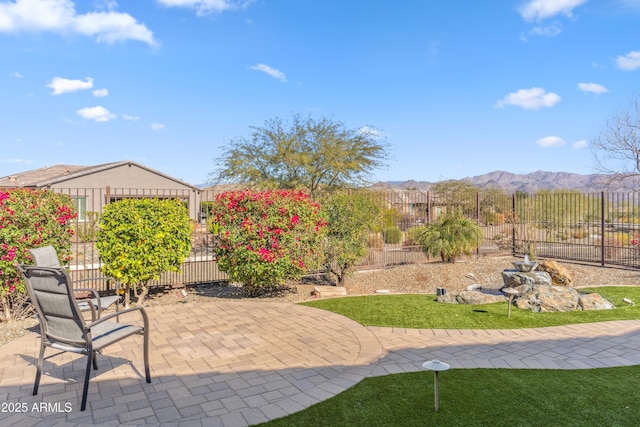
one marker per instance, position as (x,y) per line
(529,183)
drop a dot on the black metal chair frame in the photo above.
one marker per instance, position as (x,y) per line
(47,256)
(63,327)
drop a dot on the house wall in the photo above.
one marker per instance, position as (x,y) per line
(127,181)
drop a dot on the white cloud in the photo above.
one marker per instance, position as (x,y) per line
(99,93)
(371,132)
(536,10)
(276,74)
(59,16)
(97,114)
(580,144)
(205,7)
(551,30)
(16,161)
(550,141)
(592,87)
(61,85)
(630,61)
(130,118)
(16,74)
(157,126)
(106,4)
(530,99)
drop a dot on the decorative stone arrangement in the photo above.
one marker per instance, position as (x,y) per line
(536,291)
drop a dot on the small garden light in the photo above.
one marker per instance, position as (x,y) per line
(510,293)
(435,366)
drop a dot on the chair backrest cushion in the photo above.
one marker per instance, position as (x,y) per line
(46,256)
(51,293)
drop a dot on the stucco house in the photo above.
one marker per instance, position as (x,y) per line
(92,187)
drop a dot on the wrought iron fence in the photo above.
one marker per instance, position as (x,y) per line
(602,228)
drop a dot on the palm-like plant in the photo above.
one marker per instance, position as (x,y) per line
(450,237)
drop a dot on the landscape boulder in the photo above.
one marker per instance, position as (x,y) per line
(595,302)
(472,297)
(560,276)
(546,298)
(515,278)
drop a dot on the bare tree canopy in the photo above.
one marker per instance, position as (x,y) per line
(304,154)
(617,148)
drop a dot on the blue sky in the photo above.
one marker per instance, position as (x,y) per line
(456,88)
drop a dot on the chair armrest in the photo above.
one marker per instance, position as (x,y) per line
(142,311)
(97,296)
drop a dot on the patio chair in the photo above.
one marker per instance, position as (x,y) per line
(63,327)
(47,256)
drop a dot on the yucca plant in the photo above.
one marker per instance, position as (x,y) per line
(450,237)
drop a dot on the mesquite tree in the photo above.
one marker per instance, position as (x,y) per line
(303,154)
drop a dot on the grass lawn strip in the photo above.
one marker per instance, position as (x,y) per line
(480,397)
(424,312)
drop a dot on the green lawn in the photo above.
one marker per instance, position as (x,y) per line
(484,397)
(480,397)
(423,312)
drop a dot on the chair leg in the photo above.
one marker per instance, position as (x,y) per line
(87,375)
(36,383)
(147,373)
(95,360)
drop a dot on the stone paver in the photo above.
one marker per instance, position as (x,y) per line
(241,363)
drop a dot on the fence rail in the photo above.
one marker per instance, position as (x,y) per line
(602,228)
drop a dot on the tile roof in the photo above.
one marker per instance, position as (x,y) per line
(49,175)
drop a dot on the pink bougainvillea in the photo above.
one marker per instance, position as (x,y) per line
(266,237)
(28,219)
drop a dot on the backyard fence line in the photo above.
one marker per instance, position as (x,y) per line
(601,228)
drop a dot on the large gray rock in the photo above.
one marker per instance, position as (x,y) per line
(472,297)
(544,298)
(477,297)
(515,278)
(595,302)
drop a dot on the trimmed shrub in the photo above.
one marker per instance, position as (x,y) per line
(29,219)
(263,238)
(392,235)
(141,238)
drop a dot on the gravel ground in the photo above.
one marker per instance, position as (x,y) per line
(413,278)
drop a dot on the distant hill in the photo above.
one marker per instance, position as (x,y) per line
(531,182)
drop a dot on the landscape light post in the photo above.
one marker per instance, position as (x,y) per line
(435,366)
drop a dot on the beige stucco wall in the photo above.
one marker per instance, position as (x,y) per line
(127,181)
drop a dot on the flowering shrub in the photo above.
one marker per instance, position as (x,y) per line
(266,237)
(29,219)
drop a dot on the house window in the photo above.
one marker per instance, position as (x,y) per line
(81,207)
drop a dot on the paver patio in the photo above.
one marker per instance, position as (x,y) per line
(241,363)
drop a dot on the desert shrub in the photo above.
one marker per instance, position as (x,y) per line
(141,238)
(579,233)
(562,235)
(349,218)
(392,235)
(450,236)
(389,217)
(86,231)
(29,219)
(493,218)
(412,236)
(266,237)
(375,241)
(503,240)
